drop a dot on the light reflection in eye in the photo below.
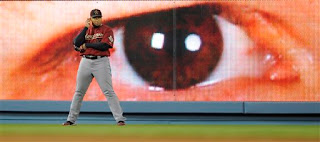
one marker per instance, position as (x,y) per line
(157,40)
(193,42)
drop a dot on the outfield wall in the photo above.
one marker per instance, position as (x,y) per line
(165,112)
(169,107)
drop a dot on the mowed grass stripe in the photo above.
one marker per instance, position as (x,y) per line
(284,132)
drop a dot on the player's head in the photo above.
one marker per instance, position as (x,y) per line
(95,16)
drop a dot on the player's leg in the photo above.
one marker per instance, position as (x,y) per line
(84,78)
(102,73)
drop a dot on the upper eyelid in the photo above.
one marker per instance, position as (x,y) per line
(273,19)
(217,9)
(234,13)
(118,22)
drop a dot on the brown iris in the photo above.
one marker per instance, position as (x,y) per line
(173,66)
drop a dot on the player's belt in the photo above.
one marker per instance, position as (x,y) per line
(92,57)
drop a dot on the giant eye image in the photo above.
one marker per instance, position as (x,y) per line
(165,50)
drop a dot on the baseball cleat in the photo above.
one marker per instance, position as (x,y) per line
(121,123)
(68,123)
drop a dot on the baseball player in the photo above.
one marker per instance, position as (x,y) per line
(93,43)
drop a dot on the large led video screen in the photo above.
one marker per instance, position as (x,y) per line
(166,50)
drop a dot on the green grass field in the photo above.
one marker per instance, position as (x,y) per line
(159,133)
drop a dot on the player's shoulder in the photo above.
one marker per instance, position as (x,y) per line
(106,27)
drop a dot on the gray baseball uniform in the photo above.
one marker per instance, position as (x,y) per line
(95,63)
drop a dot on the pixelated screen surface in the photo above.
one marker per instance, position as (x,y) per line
(166,50)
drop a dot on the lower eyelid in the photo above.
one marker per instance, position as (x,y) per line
(273,67)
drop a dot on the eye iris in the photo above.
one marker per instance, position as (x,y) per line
(153,45)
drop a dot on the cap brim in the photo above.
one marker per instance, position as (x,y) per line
(94,16)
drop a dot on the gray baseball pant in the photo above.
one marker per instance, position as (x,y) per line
(101,70)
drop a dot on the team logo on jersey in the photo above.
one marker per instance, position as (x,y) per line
(95,36)
(111,39)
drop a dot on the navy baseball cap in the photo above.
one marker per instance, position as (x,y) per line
(95,13)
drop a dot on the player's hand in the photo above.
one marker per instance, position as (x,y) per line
(76,48)
(83,47)
(88,22)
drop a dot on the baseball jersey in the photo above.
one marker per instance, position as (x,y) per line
(99,34)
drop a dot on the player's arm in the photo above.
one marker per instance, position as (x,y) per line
(98,46)
(80,38)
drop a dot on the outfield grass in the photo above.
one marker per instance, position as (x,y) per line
(174,133)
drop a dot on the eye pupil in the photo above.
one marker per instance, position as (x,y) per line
(156,46)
